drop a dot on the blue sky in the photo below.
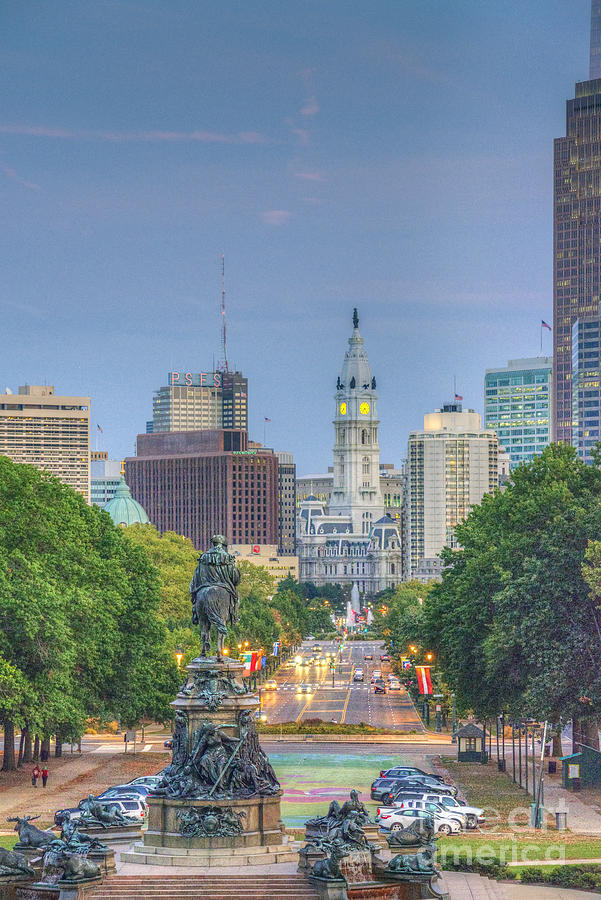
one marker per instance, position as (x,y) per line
(392,155)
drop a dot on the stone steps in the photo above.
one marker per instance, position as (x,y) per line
(225,887)
(143,854)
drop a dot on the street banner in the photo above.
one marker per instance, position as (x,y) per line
(423,679)
(276,648)
(405,663)
(252,661)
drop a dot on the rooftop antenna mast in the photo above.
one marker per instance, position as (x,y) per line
(224,364)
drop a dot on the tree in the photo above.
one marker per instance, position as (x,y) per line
(399,618)
(513,621)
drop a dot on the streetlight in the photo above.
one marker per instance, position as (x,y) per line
(413,648)
(179,656)
(429,656)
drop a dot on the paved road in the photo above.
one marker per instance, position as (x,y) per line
(307,690)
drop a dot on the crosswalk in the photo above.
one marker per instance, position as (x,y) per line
(323,686)
(118,748)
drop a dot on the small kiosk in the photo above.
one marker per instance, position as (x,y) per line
(582,769)
(471,744)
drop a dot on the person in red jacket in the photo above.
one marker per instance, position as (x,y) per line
(35,775)
(44,776)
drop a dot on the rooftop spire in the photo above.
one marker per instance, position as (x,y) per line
(355,315)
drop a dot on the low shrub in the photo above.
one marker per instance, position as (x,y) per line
(587,877)
(318,726)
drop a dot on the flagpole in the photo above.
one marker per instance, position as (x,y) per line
(541,339)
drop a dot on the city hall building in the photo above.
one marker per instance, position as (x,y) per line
(350,539)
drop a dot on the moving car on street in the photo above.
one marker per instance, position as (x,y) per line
(271,685)
(358,676)
(397,819)
(394,685)
(379,687)
(368,656)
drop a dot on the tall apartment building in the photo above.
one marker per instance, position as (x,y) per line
(200,401)
(450,465)
(105,477)
(49,432)
(577,226)
(286,503)
(518,405)
(199,483)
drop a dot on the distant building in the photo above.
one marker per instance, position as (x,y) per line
(518,405)
(450,465)
(105,477)
(199,483)
(350,539)
(267,555)
(200,401)
(49,432)
(586,380)
(286,504)
(320,486)
(123,509)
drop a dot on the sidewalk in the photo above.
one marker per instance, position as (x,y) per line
(466,886)
(582,818)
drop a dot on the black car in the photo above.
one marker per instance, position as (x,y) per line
(407,771)
(383,787)
(412,784)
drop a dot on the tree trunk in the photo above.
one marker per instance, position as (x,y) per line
(21,740)
(45,749)
(27,755)
(36,748)
(590,733)
(8,762)
(556,749)
(58,746)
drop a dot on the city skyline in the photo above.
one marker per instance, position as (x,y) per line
(400,168)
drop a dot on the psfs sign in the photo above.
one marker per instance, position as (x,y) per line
(195,379)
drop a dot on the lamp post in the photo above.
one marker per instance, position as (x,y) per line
(454,720)
(179,656)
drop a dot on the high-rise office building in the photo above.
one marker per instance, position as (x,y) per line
(200,401)
(450,465)
(577,226)
(105,477)
(586,379)
(48,431)
(286,503)
(199,483)
(518,401)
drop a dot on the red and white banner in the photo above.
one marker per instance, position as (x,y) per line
(423,679)
(252,661)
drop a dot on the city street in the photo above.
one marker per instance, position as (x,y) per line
(305,690)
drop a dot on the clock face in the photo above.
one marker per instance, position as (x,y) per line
(364,409)
(343,409)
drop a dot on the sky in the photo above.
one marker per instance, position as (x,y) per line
(394,155)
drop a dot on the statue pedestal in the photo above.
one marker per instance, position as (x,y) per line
(219,799)
(115,834)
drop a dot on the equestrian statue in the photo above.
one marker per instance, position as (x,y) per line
(214,594)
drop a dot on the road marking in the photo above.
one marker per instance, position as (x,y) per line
(146,748)
(348,694)
(303,710)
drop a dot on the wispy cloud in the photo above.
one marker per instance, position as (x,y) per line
(14,175)
(302,134)
(311,107)
(276,216)
(310,176)
(205,137)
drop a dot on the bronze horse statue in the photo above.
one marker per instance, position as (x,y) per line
(214,594)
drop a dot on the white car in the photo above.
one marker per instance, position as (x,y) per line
(397,819)
(474,815)
(394,685)
(435,809)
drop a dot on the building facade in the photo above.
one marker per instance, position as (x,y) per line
(286,503)
(49,432)
(105,477)
(267,555)
(320,486)
(350,540)
(577,226)
(586,392)
(450,465)
(518,405)
(200,401)
(199,483)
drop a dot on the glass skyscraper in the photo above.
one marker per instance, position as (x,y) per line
(586,397)
(517,405)
(577,226)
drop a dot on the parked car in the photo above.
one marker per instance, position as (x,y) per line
(382,788)
(151,780)
(413,785)
(358,676)
(434,808)
(474,815)
(271,685)
(133,806)
(126,790)
(403,771)
(395,820)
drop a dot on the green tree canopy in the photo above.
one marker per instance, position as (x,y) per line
(513,621)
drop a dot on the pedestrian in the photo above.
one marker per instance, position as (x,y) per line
(44,776)
(34,776)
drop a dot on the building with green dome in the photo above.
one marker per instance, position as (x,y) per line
(124,510)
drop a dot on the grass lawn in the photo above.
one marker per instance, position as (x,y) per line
(506,804)
(7,841)
(571,846)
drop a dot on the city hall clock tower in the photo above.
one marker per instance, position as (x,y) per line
(356,485)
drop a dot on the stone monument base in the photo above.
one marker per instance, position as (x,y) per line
(211,857)
(116,834)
